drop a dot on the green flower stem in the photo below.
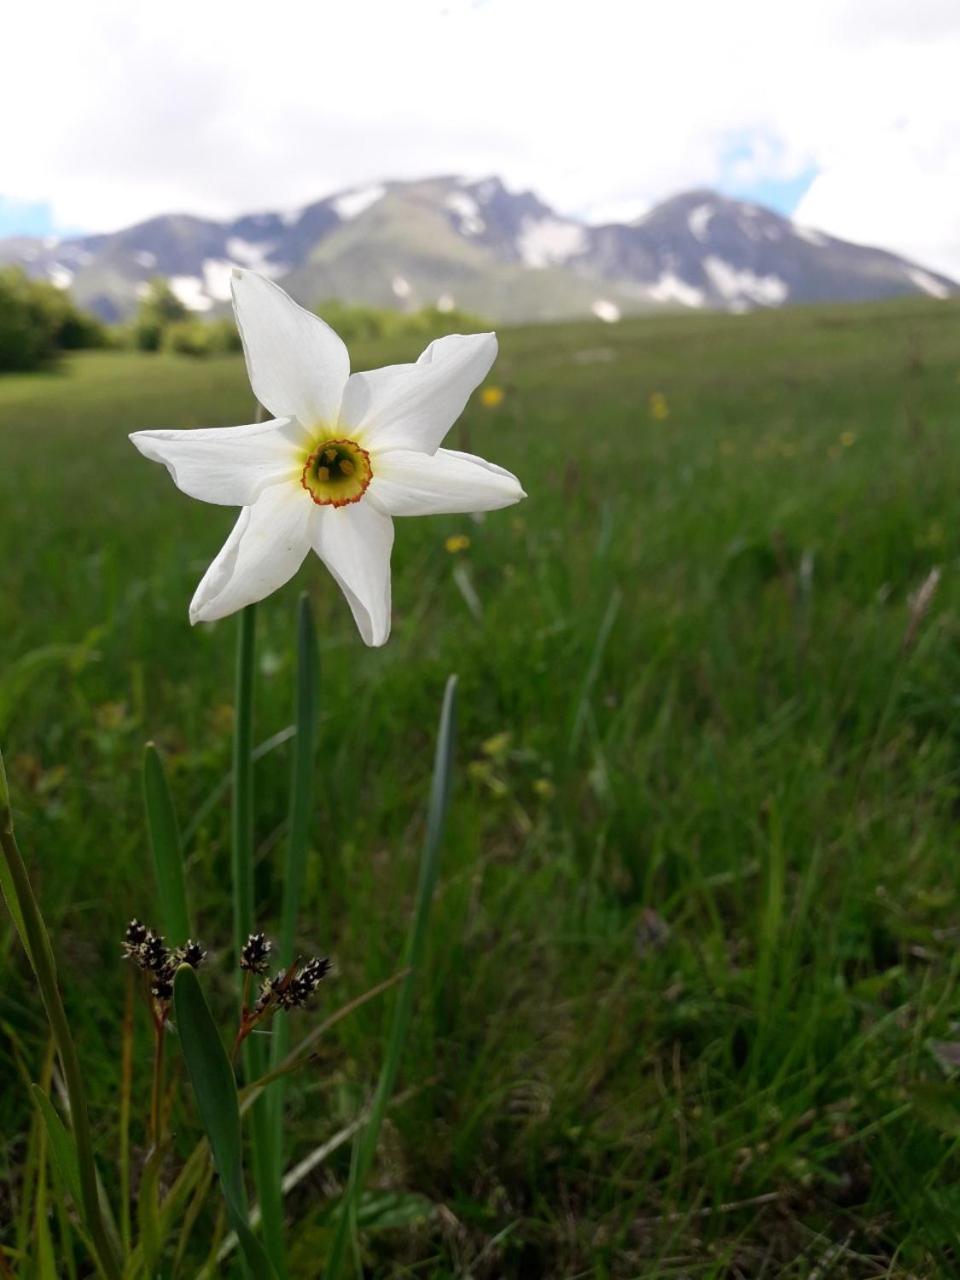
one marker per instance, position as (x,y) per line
(254,1053)
(44,967)
(301,787)
(243,781)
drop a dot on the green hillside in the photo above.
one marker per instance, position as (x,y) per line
(691,1004)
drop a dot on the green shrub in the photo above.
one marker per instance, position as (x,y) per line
(196,337)
(38,321)
(360,323)
(159,309)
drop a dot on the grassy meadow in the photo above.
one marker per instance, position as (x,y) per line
(691,1006)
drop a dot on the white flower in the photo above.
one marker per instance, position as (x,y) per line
(344,454)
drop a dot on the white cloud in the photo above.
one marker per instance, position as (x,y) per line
(904,194)
(600,105)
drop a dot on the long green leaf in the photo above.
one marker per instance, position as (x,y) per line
(167,852)
(148,1211)
(429,864)
(61,1146)
(216,1092)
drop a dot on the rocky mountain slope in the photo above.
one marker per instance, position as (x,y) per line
(450,241)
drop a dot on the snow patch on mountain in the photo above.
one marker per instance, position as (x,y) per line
(352,203)
(606,310)
(698,220)
(217,274)
(144,258)
(670,288)
(467,212)
(60,276)
(545,242)
(189,290)
(249,253)
(743,285)
(810,235)
(927,283)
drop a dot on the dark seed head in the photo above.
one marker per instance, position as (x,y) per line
(192,953)
(162,989)
(155,953)
(314,971)
(255,953)
(135,933)
(305,983)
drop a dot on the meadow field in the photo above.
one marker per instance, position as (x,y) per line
(691,1005)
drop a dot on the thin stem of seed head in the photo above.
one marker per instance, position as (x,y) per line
(156,1097)
(248,1020)
(126,1090)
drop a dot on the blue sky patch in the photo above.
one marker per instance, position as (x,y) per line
(753,167)
(29,218)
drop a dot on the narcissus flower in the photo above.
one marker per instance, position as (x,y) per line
(342,456)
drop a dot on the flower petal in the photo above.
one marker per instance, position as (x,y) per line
(443,483)
(413,406)
(265,549)
(298,366)
(226,465)
(355,542)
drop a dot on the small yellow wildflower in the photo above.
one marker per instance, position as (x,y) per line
(659,409)
(933,537)
(111,715)
(848,438)
(456,543)
(544,788)
(498,745)
(491,397)
(221,719)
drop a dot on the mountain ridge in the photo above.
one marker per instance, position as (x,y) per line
(451,241)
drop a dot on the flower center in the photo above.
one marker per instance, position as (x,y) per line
(337,472)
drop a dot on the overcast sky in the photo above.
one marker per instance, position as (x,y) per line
(846,114)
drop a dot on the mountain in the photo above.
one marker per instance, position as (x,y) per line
(449,241)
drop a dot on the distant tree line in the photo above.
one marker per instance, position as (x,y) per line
(39,322)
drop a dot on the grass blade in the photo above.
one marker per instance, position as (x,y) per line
(222,788)
(301,787)
(45,970)
(167,852)
(216,1092)
(429,863)
(582,704)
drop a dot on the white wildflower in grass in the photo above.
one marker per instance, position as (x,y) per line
(342,456)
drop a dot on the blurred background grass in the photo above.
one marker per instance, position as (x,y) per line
(692,983)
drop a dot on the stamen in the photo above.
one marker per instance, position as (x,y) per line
(337,473)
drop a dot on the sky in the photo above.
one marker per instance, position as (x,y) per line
(842,113)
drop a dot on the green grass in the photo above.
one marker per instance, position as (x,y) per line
(696,929)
